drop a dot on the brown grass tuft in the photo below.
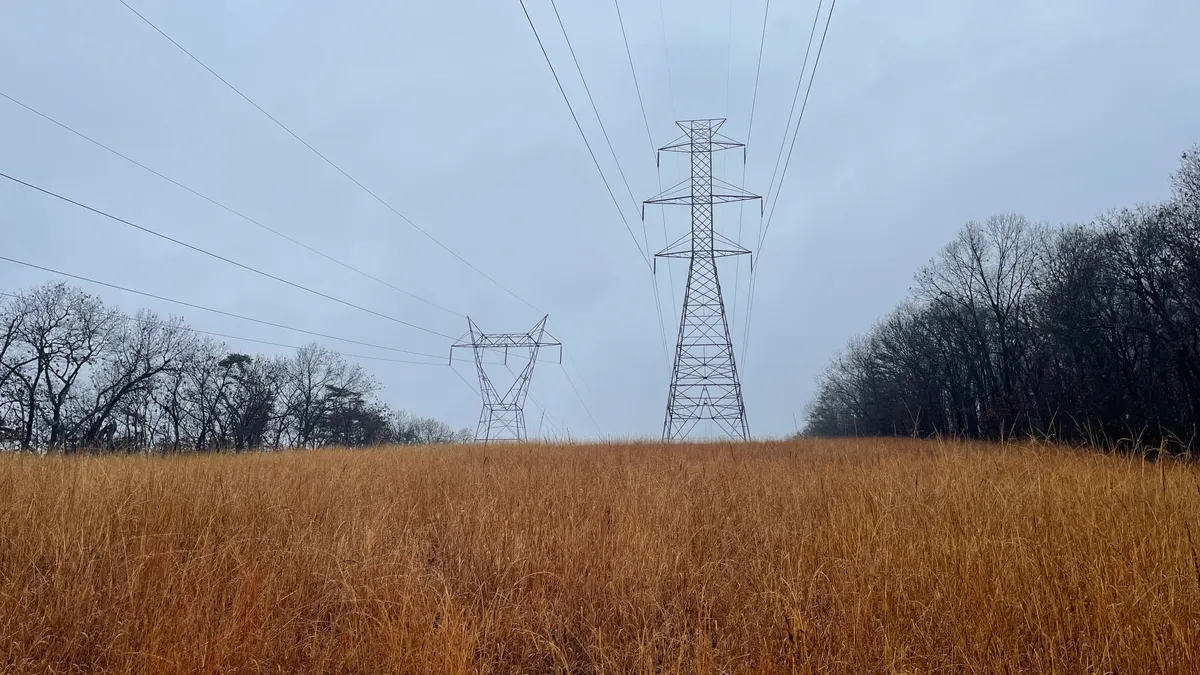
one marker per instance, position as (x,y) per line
(812,556)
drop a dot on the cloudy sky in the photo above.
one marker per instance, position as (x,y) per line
(923,115)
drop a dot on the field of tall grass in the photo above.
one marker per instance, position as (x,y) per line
(845,556)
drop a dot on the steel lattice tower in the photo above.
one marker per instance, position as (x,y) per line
(503,417)
(704,380)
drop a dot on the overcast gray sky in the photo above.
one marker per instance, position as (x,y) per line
(924,114)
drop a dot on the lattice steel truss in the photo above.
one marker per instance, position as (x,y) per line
(704,380)
(503,417)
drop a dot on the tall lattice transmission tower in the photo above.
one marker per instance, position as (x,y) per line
(704,380)
(503,416)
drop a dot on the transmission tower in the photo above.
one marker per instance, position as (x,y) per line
(503,417)
(704,381)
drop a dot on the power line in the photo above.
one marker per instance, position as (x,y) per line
(210,309)
(287,346)
(581,402)
(795,98)
(223,258)
(464,380)
(662,21)
(803,107)
(662,330)
(595,110)
(750,289)
(620,211)
(653,152)
(584,136)
(729,59)
(358,183)
(762,41)
(328,161)
(244,318)
(637,87)
(223,206)
(225,336)
(771,213)
(578,371)
(728,83)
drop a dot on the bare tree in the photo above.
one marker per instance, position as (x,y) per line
(12,360)
(143,349)
(984,279)
(309,377)
(1185,182)
(248,407)
(415,430)
(74,373)
(1087,332)
(64,331)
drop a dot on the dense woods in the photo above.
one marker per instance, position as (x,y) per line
(1082,333)
(77,374)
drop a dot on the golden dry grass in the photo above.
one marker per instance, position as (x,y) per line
(812,556)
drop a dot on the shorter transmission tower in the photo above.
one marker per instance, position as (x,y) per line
(503,417)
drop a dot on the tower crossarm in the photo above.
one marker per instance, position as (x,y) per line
(686,146)
(719,196)
(723,247)
(507,340)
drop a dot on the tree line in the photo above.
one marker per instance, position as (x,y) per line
(78,374)
(1087,333)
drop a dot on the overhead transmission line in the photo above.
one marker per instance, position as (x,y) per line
(346,174)
(762,41)
(581,401)
(586,142)
(788,127)
(729,59)
(326,159)
(229,209)
(662,21)
(604,178)
(203,308)
(653,153)
(803,106)
(243,216)
(242,318)
(464,381)
(637,87)
(225,336)
(777,190)
(596,111)
(222,258)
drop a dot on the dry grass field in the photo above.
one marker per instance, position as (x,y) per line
(814,556)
